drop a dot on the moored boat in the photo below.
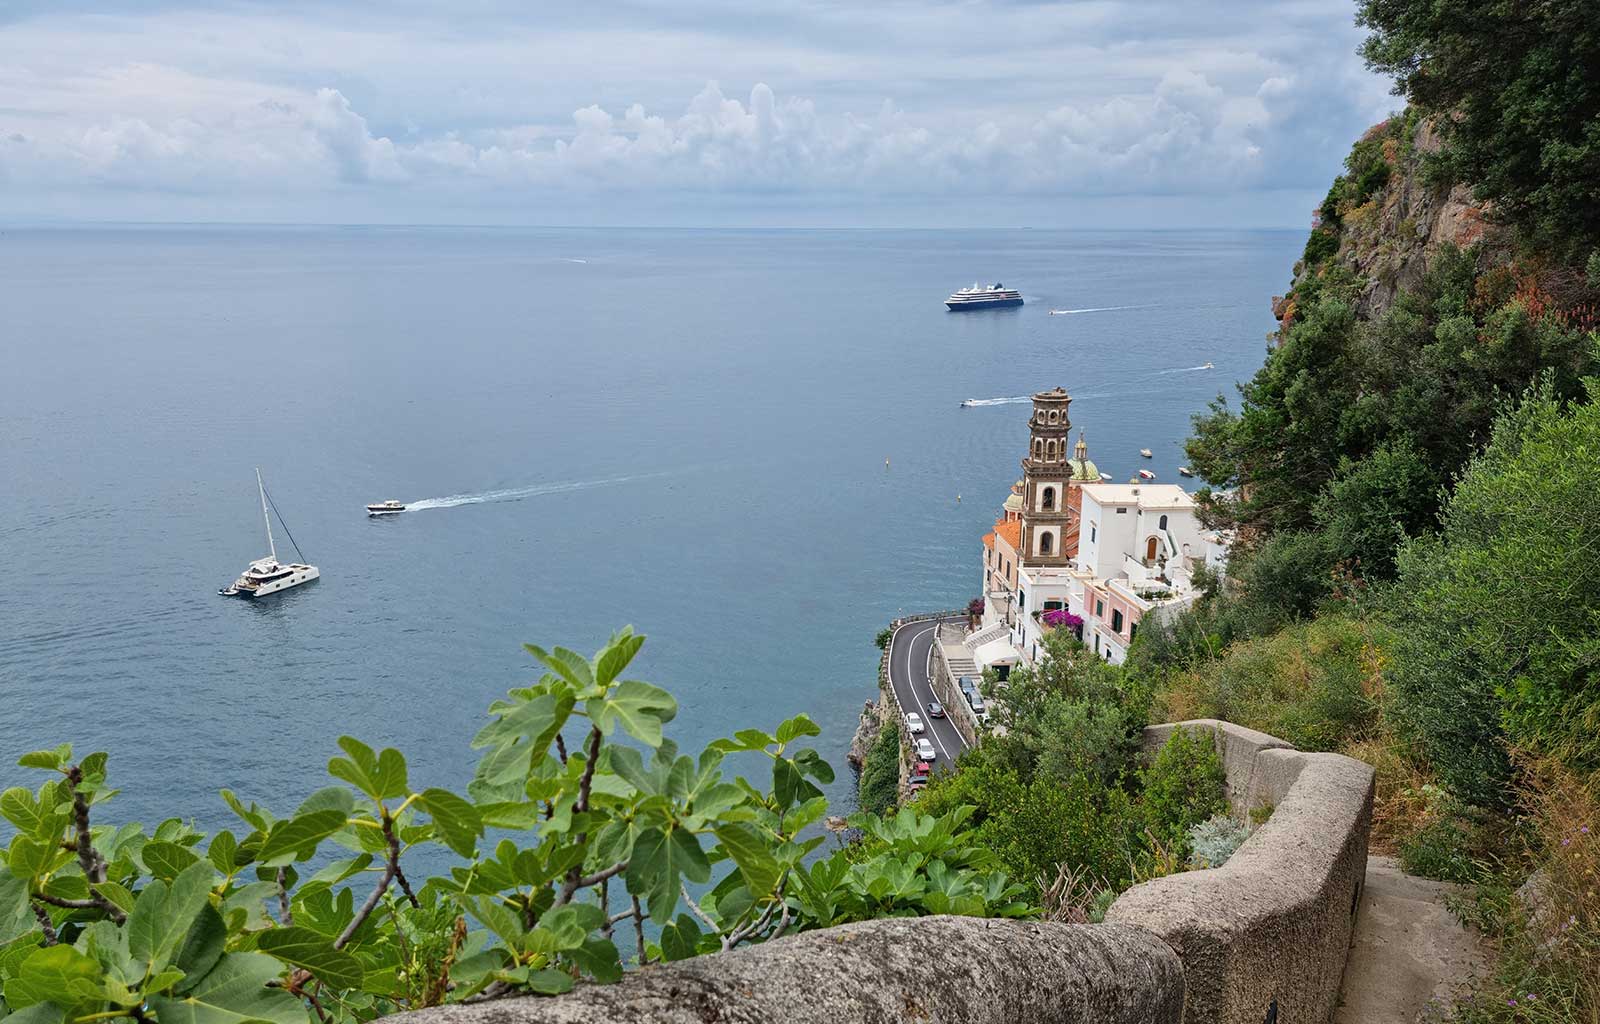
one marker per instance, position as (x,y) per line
(1145,474)
(984,296)
(1146,453)
(268,575)
(386,508)
(1185,471)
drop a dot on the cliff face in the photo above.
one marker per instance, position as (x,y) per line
(1384,221)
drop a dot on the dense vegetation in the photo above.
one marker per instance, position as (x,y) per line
(880,776)
(582,822)
(1057,785)
(1414,489)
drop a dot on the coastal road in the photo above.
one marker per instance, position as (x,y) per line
(910,662)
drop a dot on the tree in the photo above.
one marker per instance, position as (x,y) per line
(1511,85)
(1496,617)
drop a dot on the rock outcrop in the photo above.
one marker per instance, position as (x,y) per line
(873,715)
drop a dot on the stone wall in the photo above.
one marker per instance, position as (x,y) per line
(1264,937)
(1271,927)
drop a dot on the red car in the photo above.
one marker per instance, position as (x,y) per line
(921,768)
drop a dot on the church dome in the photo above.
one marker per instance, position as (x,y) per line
(1014,503)
(1079,465)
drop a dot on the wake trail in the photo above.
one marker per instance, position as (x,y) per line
(1095,309)
(519,493)
(1186,369)
(974,402)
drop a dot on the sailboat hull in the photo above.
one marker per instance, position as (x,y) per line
(300,574)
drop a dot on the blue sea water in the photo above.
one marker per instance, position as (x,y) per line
(747,444)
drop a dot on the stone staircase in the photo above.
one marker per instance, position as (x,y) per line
(998,631)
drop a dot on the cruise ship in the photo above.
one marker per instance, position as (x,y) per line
(983,296)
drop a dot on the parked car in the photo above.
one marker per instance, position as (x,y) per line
(917,780)
(976,700)
(921,768)
(925,749)
(969,685)
(914,723)
(935,709)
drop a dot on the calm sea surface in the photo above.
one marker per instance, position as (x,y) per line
(686,431)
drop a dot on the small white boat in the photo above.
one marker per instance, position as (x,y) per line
(1185,471)
(969,403)
(1060,312)
(1208,366)
(268,575)
(386,508)
(1146,453)
(1106,477)
(1145,474)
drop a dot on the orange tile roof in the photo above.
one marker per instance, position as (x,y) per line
(1010,531)
(988,540)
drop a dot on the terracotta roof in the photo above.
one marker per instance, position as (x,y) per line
(1010,530)
(988,540)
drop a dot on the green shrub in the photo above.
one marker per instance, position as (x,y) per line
(1216,839)
(561,847)
(882,639)
(880,776)
(1182,787)
(1322,245)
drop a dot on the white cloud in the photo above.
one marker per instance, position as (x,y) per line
(1086,100)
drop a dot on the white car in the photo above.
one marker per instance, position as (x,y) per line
(925,749)
(914,723)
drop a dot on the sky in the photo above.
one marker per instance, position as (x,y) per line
(893,113)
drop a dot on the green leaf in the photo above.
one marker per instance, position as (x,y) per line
(53,760)
(340,870)
(334,798)
(380,776)
(799,725)
(569,665)
(251,815)
(689,857)
(49,975)
(456,820)
(167,860)
(549,982)
(38,1013)
(200,949)
(28,858)
(163,914)
(497,917)
(811,763)
(313,951)
(750,852)
(638,707)
(221,851)
(116,895)
(21,809)
(16,917)
(296,838)
(787,784)
(234,992)
(616,655)
(680,940)
(600,958)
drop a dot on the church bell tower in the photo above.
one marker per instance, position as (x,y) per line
(1045,474)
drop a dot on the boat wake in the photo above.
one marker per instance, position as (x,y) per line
(572,259)
(1093,309)
(973,403)
(519,493)
(1186,369)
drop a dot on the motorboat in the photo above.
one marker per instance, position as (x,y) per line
(386,508)
(1185,471)
(1106,477)
(1145,474)
(1208,366)
(268,575)
(1146,453)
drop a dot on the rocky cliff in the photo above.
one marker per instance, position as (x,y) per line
(1385,219)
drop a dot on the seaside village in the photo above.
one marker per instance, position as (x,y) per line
(1074,551)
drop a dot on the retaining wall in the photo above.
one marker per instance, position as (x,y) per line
(1264,937)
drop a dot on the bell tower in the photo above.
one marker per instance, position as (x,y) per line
(1045,475)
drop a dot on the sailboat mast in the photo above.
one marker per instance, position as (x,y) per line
(273,548)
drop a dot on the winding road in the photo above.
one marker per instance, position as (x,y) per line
(910,660)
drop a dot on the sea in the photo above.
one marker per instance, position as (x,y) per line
(749,445)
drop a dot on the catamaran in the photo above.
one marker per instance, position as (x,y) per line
(267,575)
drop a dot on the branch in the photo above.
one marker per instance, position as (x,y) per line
(285,915)
(575,879)
(66,904)
(738,935)
(605,903)
(45,925)
(94,865)
(561,748)
(701,914)
(638,929)
(391,864)
(394,860)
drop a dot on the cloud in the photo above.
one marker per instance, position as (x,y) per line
(1082,99)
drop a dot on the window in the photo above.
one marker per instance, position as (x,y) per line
(1116,621)
(1099,608)
(1163,523)
(1052,605)
(1038,448)
(1122,511)
(1133,631)
(1049,499)
(1091,533)
(1046,543)
(1097,643)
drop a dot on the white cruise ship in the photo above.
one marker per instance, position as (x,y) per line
(984,296)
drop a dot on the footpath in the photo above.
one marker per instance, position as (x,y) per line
(1409,957)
